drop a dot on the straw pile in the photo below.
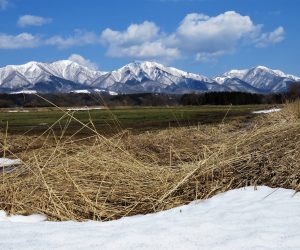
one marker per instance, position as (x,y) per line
(107,178)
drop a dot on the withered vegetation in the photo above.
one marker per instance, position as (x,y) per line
(104,178)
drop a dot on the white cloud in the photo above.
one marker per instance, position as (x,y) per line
(29,20)
(209,56)
(83,61)
(80,38)
(22,40)
(271,38)
(143,41)
(198,35)
(134,34)
(3,4)
(150,50)
(27,40)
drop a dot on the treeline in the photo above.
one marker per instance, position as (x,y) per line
(146,99)
(241,98)
(82,100)
(293,91)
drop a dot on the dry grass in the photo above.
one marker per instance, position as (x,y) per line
(106,178)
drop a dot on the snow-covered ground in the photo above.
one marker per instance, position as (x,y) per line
(105,91)
(239,219)
(6,162)
(81,91)
(8,165)
(18,110)
(266,111)
(24,92)
(84,108)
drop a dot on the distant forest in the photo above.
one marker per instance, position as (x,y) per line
(144,99)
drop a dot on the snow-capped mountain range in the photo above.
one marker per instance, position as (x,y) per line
(136,77)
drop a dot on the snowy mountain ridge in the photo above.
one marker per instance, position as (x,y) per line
(34,72)
(261,78)
(136,77)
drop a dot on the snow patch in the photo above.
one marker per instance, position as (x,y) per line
(84,108)
(266,111)
(18,111)
(106,91)
(34,218)
(112,93)
(24,92)
(9,165)
(81,91)
(6,162)
(244,218)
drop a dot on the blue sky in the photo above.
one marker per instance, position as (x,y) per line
(202,36)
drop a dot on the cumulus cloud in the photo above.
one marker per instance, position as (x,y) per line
(206,57)
(134,34)
(29,20)
(83,61)
(3,4)
(80,38)
(22,40)
(138,41)
(27,40)
(270,38)
(198,35)
(150,50)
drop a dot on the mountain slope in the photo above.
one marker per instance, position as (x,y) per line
(236,84)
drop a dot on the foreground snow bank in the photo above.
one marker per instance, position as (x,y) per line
(266,111)
(238,219)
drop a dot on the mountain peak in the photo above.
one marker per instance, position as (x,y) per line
(143,64)
(273,71)
(68,63)
(65,62)
(235,73)
(262,67)
(154,71)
